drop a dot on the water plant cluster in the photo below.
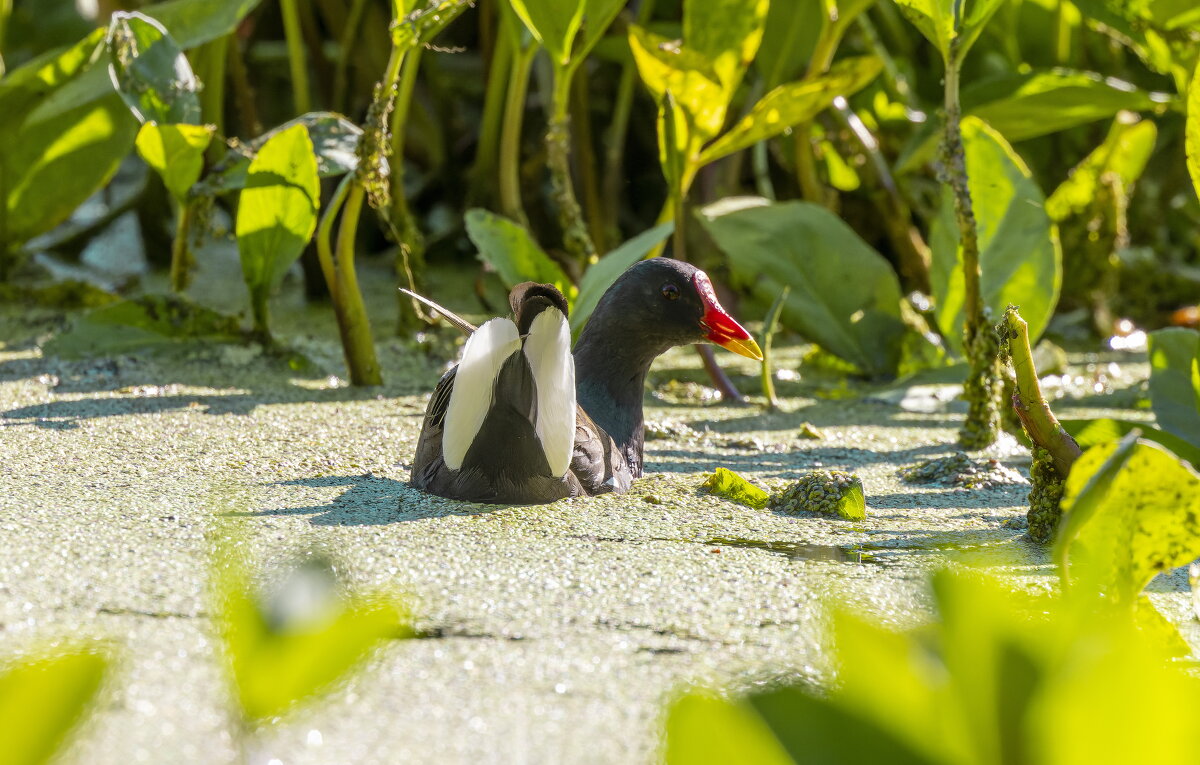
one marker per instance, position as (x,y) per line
(909,185)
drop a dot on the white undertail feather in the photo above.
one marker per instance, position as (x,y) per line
(548,348)
(486,351)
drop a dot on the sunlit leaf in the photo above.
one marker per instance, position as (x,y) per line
(726,33)
(934,19)
(729,485)
(509,248)
(277,211)
(42,698)
(704,729)
(1019,253)
(553,22)
(1124,153)
(1193,130)
(1173,392)
(297,638)
(792,104)
(665,66)
(150,72)
(334,138)
(1089,433)
(844,295)
(1031,104)
(176,152)
(1137,513)
(600,276)
(195,22)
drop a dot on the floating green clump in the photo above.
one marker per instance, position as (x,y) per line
(831,492)
(728,484)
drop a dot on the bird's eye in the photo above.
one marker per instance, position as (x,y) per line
(670,291)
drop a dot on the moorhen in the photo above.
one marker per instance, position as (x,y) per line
(521,421)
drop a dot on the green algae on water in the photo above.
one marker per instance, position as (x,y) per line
(830,492)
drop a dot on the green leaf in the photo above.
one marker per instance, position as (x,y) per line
(666,66)
(934,19)
(845,296)
(1089,433)
(191,22)
(277,211)
(296,640)
(1193,130)
(42,698)
(601,275)
(150,71)
(1124,153)
(508,247)
(598,15)
(1019,253)
(145,322)
(554,23)
(703,729)
(789,38)
(334,138)
(792,104)
(176,152)
(1174,354)
(1031,104)
(1140,516)
(726,33)
(729,485)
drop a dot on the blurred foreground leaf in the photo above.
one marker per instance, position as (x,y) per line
(702,728)
(1089,433)
(1192,141)
(844,297)
(297,637)
(150,72)
(509,249)
(1175,381)
(42,698)
(1019,253)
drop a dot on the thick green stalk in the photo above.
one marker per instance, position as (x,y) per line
(984,385)
(811,187)
(618,130)
(490,125)
(770,325)
(410,255)
(576,239)
(213,58)
(353,323)
(260,308)
(585,158)
(510,135)
(297,61)
(5,13)
(181,254)
(243,93)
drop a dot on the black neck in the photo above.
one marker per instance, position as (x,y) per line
(610,376)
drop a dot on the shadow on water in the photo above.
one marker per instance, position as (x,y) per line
(790,464)
(800,550)
(370,500)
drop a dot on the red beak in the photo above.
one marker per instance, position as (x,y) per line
(720,326)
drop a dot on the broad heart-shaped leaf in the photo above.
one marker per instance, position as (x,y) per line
(191,22)
(726,33)
(665,66)
(46,171)
(792,104)
(601,275)
(1124,153)
(1143,519)
(1174,394)
(334,138)
(553,22)
(277,211)
(1193,129)
(293,643)
(176,152)
(1037,103)
(705,729)
(1019,253)
(150,71)
(509,248)
(42,697)
(844,295)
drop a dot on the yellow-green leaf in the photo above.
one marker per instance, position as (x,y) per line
(727,484)
(726,33)
(176,152)
(1193,129)
(42,698)
(792,104)
(664,66)
(704,729)
(1124,152)
(553,22)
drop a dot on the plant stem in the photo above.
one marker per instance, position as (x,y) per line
(770,324)
(297,62)
(181,254)
(214,57)
(984,385)
(586,159)
(242,91)
(811,187)
(576,239)
(345,43)
(410,255)
(259,306)
(510,135)
(491,123)
(353,323)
